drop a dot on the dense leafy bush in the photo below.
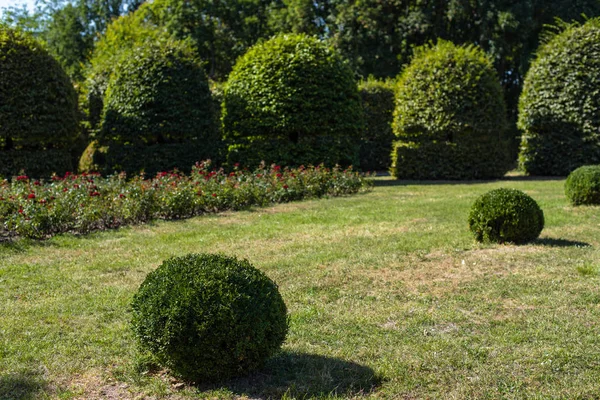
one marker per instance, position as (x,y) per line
(288,98)
(506,215)
(209,317)
(449,114)
(87,202)
(158,110)
(38,108)
(559,109)
(377,98)
(583,185)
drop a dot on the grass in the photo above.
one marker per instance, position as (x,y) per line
(389,297)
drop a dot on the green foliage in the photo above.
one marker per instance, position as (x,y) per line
(294,92)
(449,114)
(583,185)
(506,215)
(36,163)
(378,109)
(559,109)
(38,106)
(158,111)
(209,317)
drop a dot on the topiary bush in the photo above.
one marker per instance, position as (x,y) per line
(292,100)
(559,109)
(583,185)
(38,108)
(377,99)
(158,111)
(506,215)
(450,117)
(209,317)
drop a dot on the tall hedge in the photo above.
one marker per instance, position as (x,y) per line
(450,117)
(559,109)
(377,99)
(158,111)
(292,100)
(38,108)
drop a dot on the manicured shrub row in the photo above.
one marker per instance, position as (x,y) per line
(559,110)
(583,185)
(209,317)
(83,203)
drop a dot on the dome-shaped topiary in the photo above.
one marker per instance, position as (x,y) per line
(559,108)
(209,317)
(583,185)
(506,215)
(38,107)
(158,98)
(450,116)
(292,100)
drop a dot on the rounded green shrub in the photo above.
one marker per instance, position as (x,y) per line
(450,116)
(506,215)
(559,108)
(377,99)
(209,317)
(583,185)
(158,102)
(292,100)
(38,107)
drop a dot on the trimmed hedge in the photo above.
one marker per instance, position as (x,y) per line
(450,114)
(38,108)
(377,99)
(158,112)
(583,185)
(506,215)
(209,317)
(559,109)
(296,92)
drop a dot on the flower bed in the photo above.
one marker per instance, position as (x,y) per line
(88,202)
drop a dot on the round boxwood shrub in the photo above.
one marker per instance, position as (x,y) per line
(209,317)
(450,116)
(583,185)
(506,215)
(38,106)
(559,108)
(292,100)
(158,95)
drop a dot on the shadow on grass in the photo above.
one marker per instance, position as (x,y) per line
(402,182)
(551,242)
(21,386)
(304,376)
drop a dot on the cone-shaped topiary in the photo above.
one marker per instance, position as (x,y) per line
(209,317)
(158,112)
(38,108)
(559,109)
(450,116)
(506,215)
(292,100)
(583,185)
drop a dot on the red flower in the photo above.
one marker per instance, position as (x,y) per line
(43,201)
(65,189)
(232,174)
(31,196)
(276,168)
(94,194)
(214,195)
(237,164)
(279,175)
(20,211)
(285,186)
(22,178)
(76,186)
(37,183)
(121,196)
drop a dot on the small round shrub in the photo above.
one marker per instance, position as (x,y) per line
(506,215)
(209,317)
(583,185)
(38,105)
(293,100)
(559,108)
(450,116)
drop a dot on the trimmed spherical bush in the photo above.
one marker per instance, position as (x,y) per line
(450,116)
(209,317)
(506,215)
(292,100)
(559,107)
(38,108)
(583,185)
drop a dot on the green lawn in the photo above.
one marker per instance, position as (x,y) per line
(388,294)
